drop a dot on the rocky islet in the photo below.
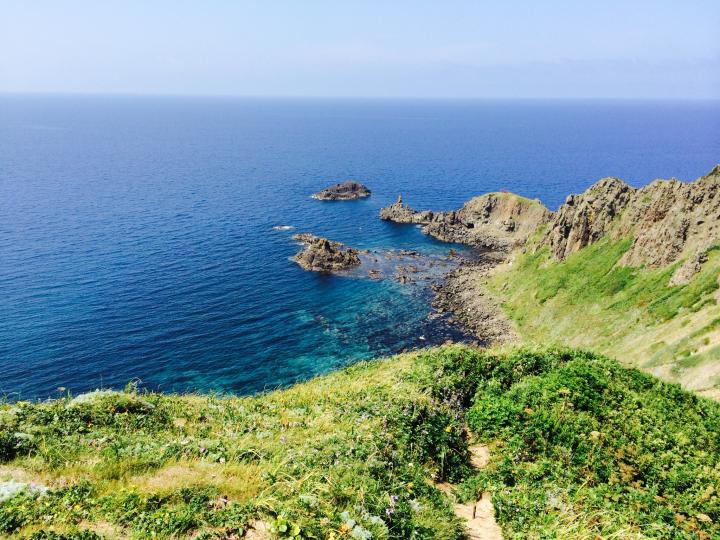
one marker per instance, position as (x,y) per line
(344,191)
(323,255)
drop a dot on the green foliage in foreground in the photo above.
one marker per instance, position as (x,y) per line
(349,454)
(581,448)
(585,447)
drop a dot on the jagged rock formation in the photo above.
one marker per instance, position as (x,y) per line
(495,221)
(402,213)
(323,255)
(690,268)
(584,219)
(345,191)
(666,219)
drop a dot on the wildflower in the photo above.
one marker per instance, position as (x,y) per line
(448,429)
(202,449)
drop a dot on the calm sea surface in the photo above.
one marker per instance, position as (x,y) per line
(137,235)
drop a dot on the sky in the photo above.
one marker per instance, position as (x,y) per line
(364,48)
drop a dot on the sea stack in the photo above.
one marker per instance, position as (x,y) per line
(323,255)
(402,213)
(345,191)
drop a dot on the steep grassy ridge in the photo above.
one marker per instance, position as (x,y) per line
(589,300)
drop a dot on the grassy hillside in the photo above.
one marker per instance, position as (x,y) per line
(628,313)
(581,448)
(322,457)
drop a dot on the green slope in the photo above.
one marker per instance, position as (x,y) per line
(580,445)
(628,313)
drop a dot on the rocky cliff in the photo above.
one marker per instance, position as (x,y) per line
(666,219)
(494,221)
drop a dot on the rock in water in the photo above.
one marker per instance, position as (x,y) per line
(345,191)
(323,255)
(402,213)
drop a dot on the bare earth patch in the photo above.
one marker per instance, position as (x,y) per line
(479,516)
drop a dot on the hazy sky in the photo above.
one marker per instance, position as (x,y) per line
(538,48)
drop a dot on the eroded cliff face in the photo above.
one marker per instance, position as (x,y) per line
(671,218)
(666,219)
(584,219)
(495,221)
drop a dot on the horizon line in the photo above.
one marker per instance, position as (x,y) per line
(346,97)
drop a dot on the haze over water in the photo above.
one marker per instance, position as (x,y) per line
(138,240)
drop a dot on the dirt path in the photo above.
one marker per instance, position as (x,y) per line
(479,516)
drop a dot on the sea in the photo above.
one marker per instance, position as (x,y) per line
(148,239)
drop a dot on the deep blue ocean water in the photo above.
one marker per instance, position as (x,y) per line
(137,235)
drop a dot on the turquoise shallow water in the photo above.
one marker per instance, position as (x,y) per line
(137,235)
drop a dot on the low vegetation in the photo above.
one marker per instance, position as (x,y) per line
(632,314)
(581,448)
(584,448)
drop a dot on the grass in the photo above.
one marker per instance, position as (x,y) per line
(584,448)
(309,461)
(589,300)
(579,444)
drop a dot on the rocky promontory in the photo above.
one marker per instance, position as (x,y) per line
(494,221)
(345,191)
(323,255)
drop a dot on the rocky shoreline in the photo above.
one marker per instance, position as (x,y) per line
(667,218)
(494,221)
(494,224)
(462,297)
(452,278)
